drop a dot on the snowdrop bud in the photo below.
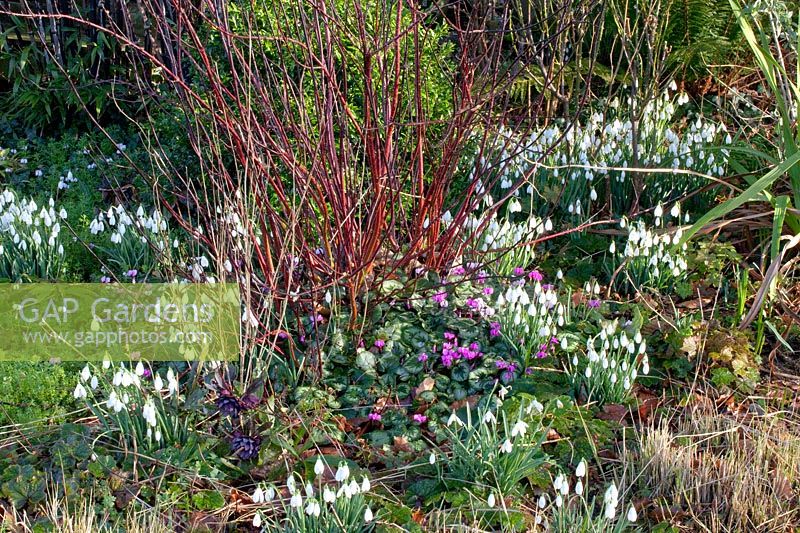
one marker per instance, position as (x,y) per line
(258,495)
(542,502)
(432,458)
(659,211)
(579,487)
(343,472)
(613,247)
(632,515)
(365,485)
(257,520)
(490,500)
(368,516)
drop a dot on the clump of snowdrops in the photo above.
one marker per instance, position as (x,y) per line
(337,506)
(591,164)
(493,450)
(143,405)
(30,238)
(613,360)
(650,256)
(569,508)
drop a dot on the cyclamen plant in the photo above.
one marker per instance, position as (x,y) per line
(30,238)
(316,505)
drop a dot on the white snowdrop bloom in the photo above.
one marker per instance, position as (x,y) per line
(93,383)
(489,418)
(313,508)
(613,247)
(158,383)
(328,496)
(506,447)
(548,225)
(368,516)
(593,194)
(559,500)
(453,419)
(343,472)
(588,372)
(296,500)
(172,382)
(365,485)
(79,392)
(257,520)
(580,471)
(139,369)
(86,374)
(519,429)
(610,499)
(447,217)
(269,494)
(319,467)
(291,484)
(579,487)
(537,406)
(432,458)
(542,502)
(632,514)
(490,500)
(258,495)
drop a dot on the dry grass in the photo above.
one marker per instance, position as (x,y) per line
(81,517)
(718,473)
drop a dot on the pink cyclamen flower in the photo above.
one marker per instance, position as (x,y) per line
(420,419)
(375,417)
(535,275)
(488,291)
(380,343)
(422,357)
(518,271)
(593,304)
(440,298)
(494,329)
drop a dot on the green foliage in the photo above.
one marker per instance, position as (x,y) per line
(700,35)
(35,392)
(49,90)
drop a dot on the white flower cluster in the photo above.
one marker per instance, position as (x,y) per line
(529,320)
(322,502)
(30,242)
(613,359)
(64,182)
(565,164)
(652,258)
(120,223)
(128,389)
(504,244)
(566,512)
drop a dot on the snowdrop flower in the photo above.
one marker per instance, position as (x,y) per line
(158,383)
(80,392)
(579,487)
(368,516)
(313,508)
(365,485)
(489,418)
(632,514)
(258,495)
(319,467)
(610,499)
(490,500)
(432,458)
(454,420)
(542,502)
(296,500)
(581,470)
(343,472)
(519,429)
(328,496)
(506,447)
(257,520)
